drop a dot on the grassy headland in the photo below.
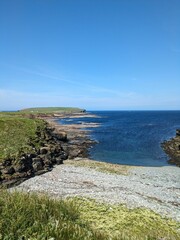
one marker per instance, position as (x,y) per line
(51,110)
(41,112)
(28,144)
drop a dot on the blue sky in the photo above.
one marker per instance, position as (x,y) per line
(93,54)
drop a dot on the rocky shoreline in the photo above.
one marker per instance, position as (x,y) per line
(58,143)
(42,160)
(78,142)
(61,142)
(172,148)
(155,188)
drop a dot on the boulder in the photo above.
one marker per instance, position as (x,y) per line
(62,136)
(178,132)
(44,150)
(37,164)
(74,153)
(8,170)
(59,160)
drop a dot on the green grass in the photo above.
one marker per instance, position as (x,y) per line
(32,217)
(51,110)
(37,217)
(16,133)
(120,222)
(29,112)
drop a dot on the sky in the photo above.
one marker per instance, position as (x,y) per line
(92,54)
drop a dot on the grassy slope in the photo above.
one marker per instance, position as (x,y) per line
(38,217)
(15,134)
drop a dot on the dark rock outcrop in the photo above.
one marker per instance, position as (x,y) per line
(172,148)
(14,171)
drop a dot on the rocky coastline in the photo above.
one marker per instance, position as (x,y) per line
(172,148)
(150,187)
(58,143)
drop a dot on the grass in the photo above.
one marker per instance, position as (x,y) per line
(119,222)
(51,110)
(100,166)
(16,133)
(35,217)
(30,112)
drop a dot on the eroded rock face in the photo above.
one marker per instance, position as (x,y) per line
(172,148)
(42,160)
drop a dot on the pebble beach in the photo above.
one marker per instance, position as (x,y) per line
(155,188)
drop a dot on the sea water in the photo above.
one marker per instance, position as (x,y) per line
(131,137)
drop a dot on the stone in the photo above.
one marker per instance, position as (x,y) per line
(37,164)
(74,153)
(62,136)
(8,170)
(64,155)
(7,162)
(178,132)
(59,160)
(44,150)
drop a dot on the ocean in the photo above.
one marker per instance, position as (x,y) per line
(131,137)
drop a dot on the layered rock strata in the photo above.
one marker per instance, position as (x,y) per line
(51,152)
(58,143)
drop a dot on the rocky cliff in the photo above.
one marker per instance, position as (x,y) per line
(172,148)
(51,152)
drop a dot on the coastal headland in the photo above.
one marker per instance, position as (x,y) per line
(32,142)
(122,202)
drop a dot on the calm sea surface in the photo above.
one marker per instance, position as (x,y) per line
(131,137)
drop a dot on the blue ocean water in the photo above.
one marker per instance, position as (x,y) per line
(131,137)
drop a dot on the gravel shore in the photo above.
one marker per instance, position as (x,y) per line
(156,188)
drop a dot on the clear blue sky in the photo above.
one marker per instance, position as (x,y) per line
(93,54)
